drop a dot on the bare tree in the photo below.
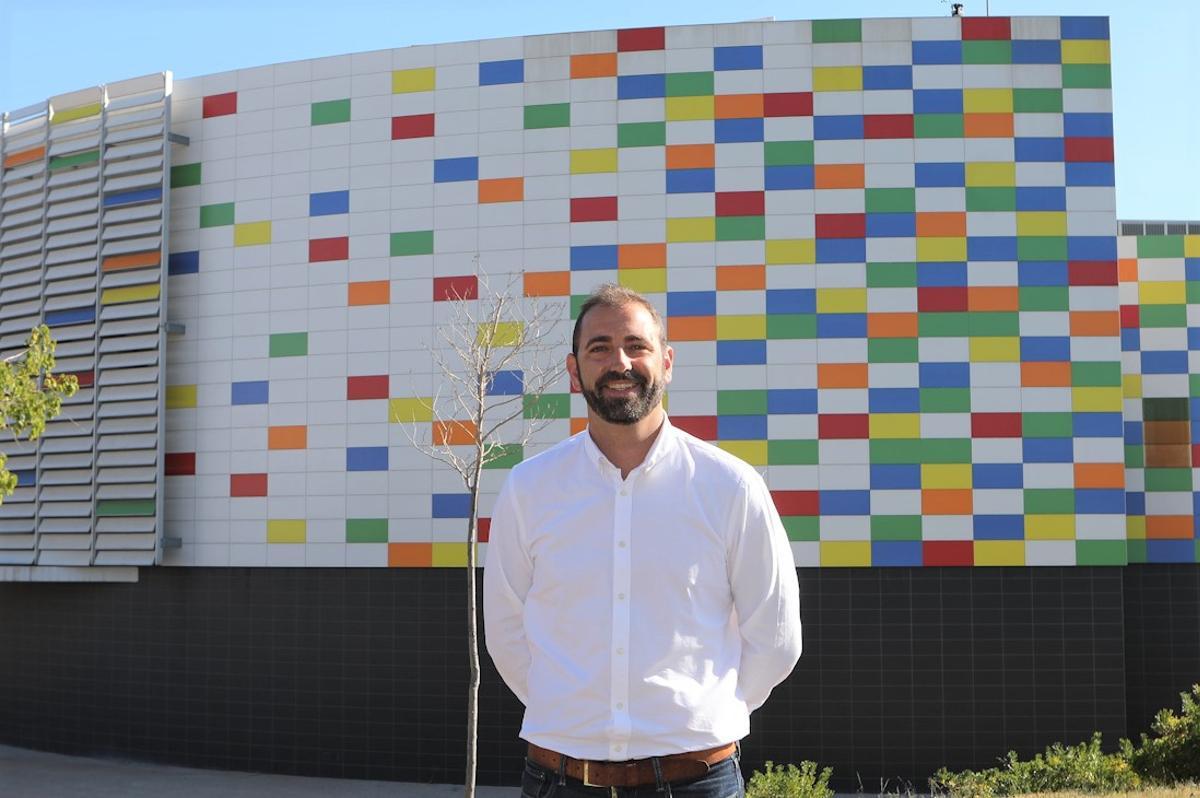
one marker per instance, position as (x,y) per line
(501,331)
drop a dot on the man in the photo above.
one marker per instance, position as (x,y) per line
(640,596)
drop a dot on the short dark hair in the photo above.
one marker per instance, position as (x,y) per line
(610,295)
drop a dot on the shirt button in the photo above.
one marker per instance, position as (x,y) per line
(621,596)
(617,747)
(624,492)
(620,705)
(620,650)
(621,544)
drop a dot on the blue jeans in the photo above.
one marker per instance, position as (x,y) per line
(723,780)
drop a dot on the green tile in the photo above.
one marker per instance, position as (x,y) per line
(788,153)
(1041,248)
(1135,456)
(689,84)
(945,400)
(416,242)
(577,301)
(1099,373)
(1162,316)
(642,134)
(216,215)
(895,527)
(1049,501)
(1175,480)
(543,116)
(741,403)
(1086,76)
(741,228)
(548,405)
(987,51)
(505,455)
(891,350)
(331,112)
(185,175)
(1136,550)
(992,198)
(802,528)
(886,451)
(289,344)
(107,508)
(1043,297)
(1191,291)
(892,275)
(75,159)
(1037,101)
(943,325)
(1166,409)
(1194,385)
(1196,554)
(994,323)
(937,126)
(891,200)
(785,452)
(1160,246)
(826,31)
(946,450)
(1101,552)
(1046,425)
(366,530)
(791,325)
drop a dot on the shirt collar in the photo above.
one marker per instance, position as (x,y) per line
(663,444)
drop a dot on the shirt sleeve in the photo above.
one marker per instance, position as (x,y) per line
(507,576)
(766,594)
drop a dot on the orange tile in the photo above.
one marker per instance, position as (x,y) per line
(692,328)
(1099,475)
(690,156)
(1165,455)
(739,106)
(741,278)
(1127,270)
(594,65)
(642,256)
(410,555)
(993,298)
(891,325)
(132,261)
(1046,375)
(372,292)
(1095,323)
(578,425)
(547,283)
(502,189)
(946,224)
(24,156)
(839,175)
(1169,527)
(287,437)
(841,375)
(988,126)
(946,501)
(1168,432)
(454,433)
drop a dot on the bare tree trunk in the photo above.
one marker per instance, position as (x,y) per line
(472,637)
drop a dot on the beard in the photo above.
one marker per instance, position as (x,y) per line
(624,409)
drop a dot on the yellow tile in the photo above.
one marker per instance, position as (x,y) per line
(584,162)
(78,112)
(680,109)
(1086,51)
(410,80)
(1191,246)
(991,173)
(946,475)
(286,530)
(1096,400)
(1131,386)
(181,396)
(837,78)
(753,452)
(451,555)
(895,425)
(741,328)
(987,101)
(131,293)
(404,411)
(1041,223)
(1050,526)
(791,250)
(700,228)
(936,248)
(1135,527)
(995,350)
(502,333)
(999,552)
(841,300)
(645,281)
(845,552)
(1172,292)
(248,234)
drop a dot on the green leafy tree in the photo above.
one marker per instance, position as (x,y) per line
(30,395)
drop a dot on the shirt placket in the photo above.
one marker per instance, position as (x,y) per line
(621,592)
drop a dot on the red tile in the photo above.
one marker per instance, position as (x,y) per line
(594,209)
(86,378)
(322,249)
(995,425)
(843,425)
(373,386)
(986,28)
(1092,272)
(1131,317)
(220,104)
(740,203)
(795,103)
(797,502)
(703,427)
(888,126)
(841,225)
(948,552)
(417,126)
(935,299)
(632,39)
(1088,148)
(450,288)
(485,529)
(180,464)
(247,484)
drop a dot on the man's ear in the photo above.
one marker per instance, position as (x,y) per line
(573,372)
(668,363)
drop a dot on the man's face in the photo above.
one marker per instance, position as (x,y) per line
(622,366)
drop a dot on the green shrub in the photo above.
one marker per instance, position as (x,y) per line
(790,782)
(1173,754)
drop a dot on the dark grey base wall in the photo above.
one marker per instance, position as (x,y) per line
(359,673)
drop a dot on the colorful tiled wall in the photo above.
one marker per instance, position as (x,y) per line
(886,250)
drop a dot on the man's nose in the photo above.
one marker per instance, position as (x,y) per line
(624,361)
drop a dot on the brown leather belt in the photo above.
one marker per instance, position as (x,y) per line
(635,772)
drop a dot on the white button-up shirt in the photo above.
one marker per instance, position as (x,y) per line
(643,616)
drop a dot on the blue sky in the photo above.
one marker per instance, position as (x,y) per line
(59,46)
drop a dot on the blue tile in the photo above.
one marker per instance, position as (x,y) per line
(59,318)
(1193,338)
(997,476)
(1045,348)
(999,527)
(748,56)
(894,400)
(1100,501)
(845,502)
(1084,27)
(1042,273)
(1171,550)
(849,126)
(1135,503)
(250,392)
(780,178)
(133,197)
(791,401)
(366,458)
(691,181)
(1092,248)
(26,478)
(841,325)
(937,52)
(508,382)
(593,258)
(1097,425)
(841,250)
(992,248)
(1044,150)
(1133,433)
(1047,450)
(741,353)
(941,275)
(1191,268)
(1036,51)
(493,73)
(691,303)
(944,375)
(1090,174)
(452,170)
(896,553)
(1165,362)
(640,87)
(1131,339)
(896,477)
(886,77)
(741,428)
(791,300)
(328,203)
(1041,198)
(183,263)
(938,101)
(732,131)
(941,175)
(451,505)
(891,225)
(1088,125)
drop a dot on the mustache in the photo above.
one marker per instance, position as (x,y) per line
(629,375)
